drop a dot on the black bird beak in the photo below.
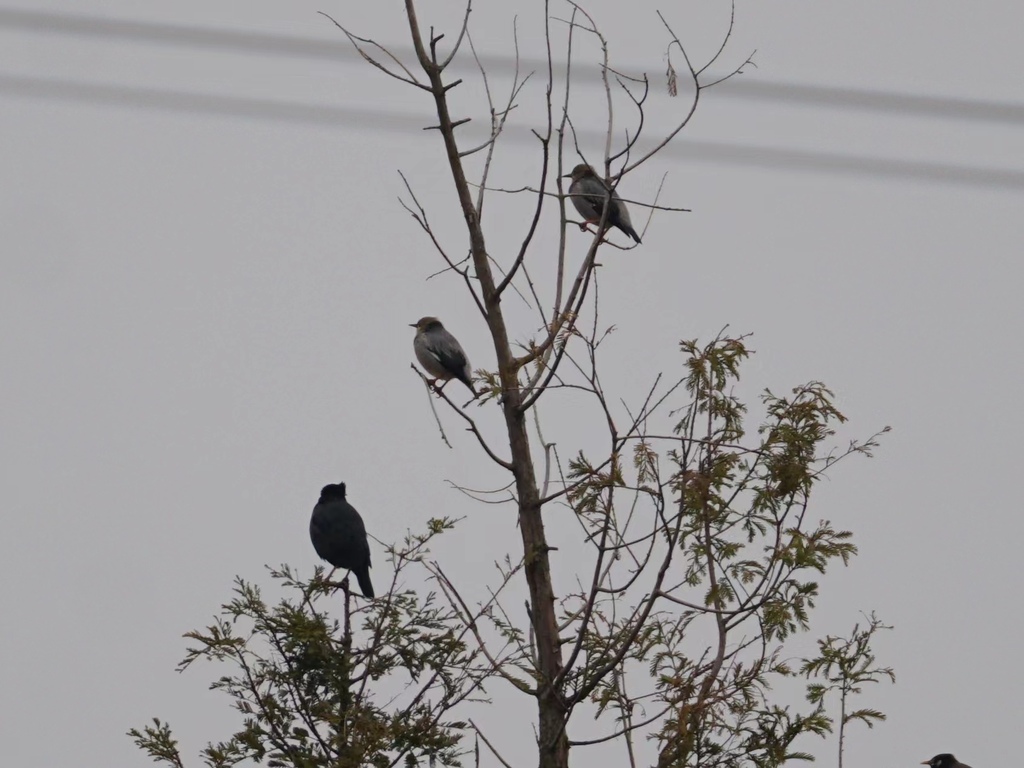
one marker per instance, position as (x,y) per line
(566,176)
(412,325)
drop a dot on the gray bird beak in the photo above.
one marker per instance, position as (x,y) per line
(567,176)
(412,325)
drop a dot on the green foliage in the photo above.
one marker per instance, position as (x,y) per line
(735,559)
(844,665)
(307,686)
(157,742)
(701,559)
(705,564)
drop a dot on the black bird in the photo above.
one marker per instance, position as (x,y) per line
(339,536)
(945,760)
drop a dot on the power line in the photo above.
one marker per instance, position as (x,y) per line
(264,44)
(906,104)
(175,34)
(203,103)
(330,116)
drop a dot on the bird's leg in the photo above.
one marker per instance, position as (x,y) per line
(344,586)
(327,578)
(586,228)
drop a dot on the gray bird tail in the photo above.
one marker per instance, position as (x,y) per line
(628,230)
(469,383)
(363,577)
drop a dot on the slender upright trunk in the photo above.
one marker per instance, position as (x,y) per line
(553,743)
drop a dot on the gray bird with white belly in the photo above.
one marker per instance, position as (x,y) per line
(589,193)
(440,353)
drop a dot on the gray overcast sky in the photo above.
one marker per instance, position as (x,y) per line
(204,318)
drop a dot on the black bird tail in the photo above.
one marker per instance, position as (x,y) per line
(363,577)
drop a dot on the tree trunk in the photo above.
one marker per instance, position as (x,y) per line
(553,746)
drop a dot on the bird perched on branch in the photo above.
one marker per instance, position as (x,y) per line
(589,193)
(945,760)
(440,353)
(339,536)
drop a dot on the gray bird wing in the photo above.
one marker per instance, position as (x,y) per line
(619,217)
(425,347)
(589,195)
(619,213)
(443,357)
(450,353)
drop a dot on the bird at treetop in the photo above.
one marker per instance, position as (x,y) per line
(589,192)
(339,536)
(440,353)
(945,760)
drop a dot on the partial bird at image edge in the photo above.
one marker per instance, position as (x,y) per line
(944,760)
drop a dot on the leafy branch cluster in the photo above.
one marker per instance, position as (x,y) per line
(845,665)
(311,696)
(704,564)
